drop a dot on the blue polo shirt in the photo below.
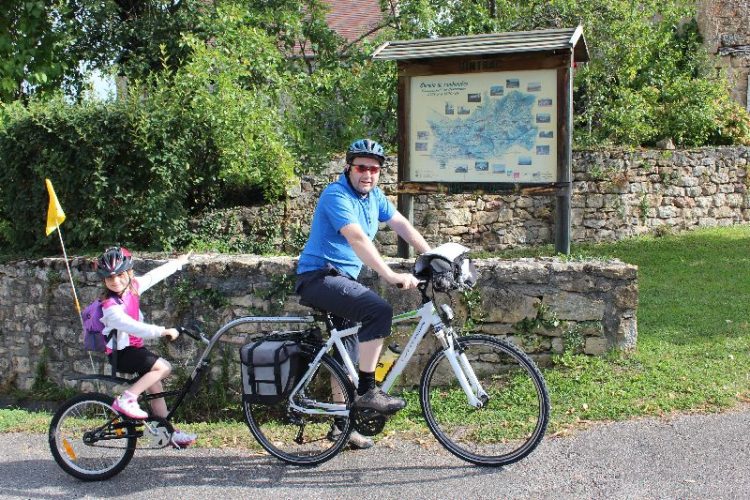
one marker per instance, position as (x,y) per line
(338,206)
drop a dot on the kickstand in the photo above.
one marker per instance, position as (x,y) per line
(301,431)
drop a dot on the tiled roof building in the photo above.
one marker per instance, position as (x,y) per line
(354,18)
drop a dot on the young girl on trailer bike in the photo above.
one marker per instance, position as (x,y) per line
(121,307)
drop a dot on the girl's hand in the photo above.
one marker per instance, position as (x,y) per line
(172,333)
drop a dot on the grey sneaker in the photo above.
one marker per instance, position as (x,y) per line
(376,399)
(356,440)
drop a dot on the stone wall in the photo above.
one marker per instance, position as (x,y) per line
(616,194)
(546,306)
(725,26)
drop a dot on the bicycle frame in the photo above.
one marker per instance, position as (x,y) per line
(428,317)
(202,364)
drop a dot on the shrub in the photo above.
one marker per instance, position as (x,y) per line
(134,170)
(112,186)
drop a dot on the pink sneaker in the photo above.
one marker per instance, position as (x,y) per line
(128,407)
(183,439)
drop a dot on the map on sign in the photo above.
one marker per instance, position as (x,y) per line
(487,127)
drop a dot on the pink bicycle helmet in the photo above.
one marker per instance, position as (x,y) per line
(113,261)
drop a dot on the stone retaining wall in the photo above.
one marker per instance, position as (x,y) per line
(546,306)
(616,194)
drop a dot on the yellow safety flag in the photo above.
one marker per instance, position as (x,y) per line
(55,217)
(55,214)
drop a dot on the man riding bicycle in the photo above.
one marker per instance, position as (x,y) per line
(344,225)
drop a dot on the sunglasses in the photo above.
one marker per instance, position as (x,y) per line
(361,169)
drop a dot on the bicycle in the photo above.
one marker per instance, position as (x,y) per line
(92,442)
(482,397)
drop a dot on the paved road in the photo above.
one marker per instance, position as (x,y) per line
(686,456)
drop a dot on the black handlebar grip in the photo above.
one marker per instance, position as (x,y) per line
(189,333)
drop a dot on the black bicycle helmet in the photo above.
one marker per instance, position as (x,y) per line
(365,148)
(113,261)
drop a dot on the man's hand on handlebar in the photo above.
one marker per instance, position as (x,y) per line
(404,281)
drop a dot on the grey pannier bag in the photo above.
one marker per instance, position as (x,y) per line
(270,369)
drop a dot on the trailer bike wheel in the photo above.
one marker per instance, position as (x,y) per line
(89,440)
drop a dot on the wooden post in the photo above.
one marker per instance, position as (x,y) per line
(406,207)
(405,201)
(565,158)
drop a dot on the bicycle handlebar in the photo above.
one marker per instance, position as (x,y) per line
(195,335)
(421,282)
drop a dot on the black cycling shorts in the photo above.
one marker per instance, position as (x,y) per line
(134,360)
(344,297)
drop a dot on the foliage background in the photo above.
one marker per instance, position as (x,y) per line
(227,100)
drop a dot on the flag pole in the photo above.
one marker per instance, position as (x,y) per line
(55,217)
(73,287)
(70,275)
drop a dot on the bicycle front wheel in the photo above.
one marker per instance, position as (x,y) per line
(513,417)
(303,438)
(89,440)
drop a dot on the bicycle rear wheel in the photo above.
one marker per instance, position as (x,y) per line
(514,416)
(302,438)
(89,440)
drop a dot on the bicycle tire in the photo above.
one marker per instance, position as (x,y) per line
(98,460)
(278,429)
(513,420)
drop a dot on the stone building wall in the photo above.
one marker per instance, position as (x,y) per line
(616,194)
(725,26)
(546,306)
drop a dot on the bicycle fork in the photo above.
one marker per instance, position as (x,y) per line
(467,379)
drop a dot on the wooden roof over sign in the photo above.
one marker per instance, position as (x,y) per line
(488,44)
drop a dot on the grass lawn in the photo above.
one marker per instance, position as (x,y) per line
(693,349)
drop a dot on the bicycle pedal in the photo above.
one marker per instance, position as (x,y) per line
(367,421)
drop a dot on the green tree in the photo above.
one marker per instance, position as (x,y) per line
(133,35)
(31,49)
(233,86)
(49,44)
(332,91)
(206,133)
(649,77)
